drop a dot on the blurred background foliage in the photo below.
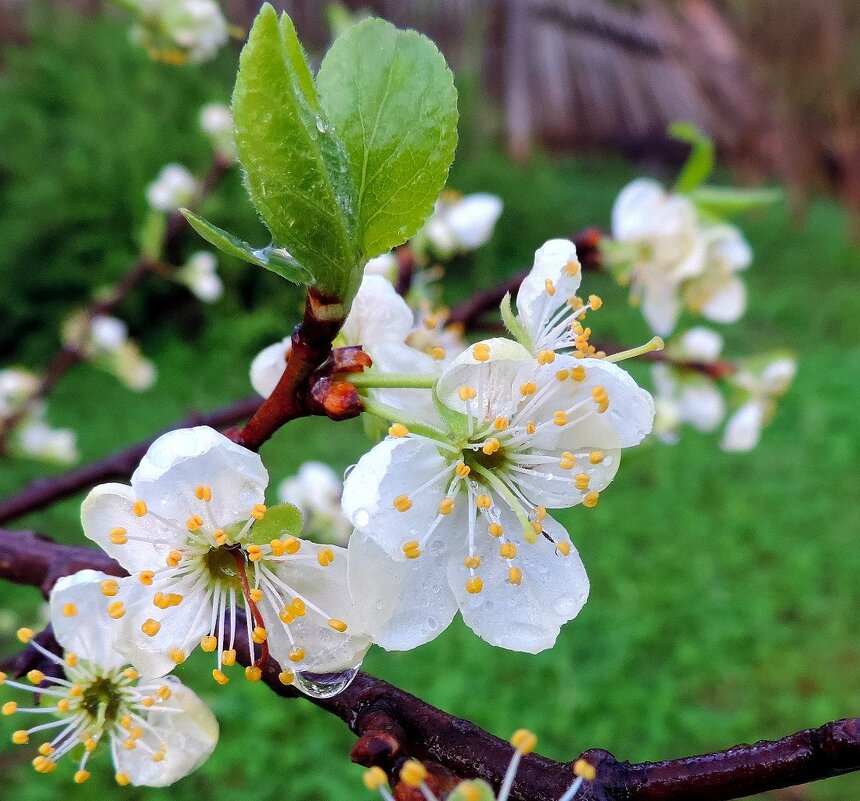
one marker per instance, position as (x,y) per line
(725,589)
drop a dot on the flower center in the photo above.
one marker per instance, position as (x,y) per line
(102,697)
(490,461)
(221,564)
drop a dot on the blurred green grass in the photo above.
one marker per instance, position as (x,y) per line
(725,590)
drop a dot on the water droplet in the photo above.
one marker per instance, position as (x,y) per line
(567,606)
(432,624)
(379,605)
(348,471)
(361,518)
(325,685)
(320,125)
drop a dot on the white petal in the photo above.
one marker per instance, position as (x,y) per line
(378,314)
(525,617)
(535,305)
(188,736)
(634,207)
(701,344)
(702,405)
(492,378)
(660,306)
(392,468)
(327,650)
(180,461)
(90,632)
(743,430)
(108,507)
(728,247)
(777,376)
(403,604)
(727,303)
(472,219)
(396,357)
(268,367)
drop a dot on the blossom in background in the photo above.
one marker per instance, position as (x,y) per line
(173,188)
(200,275)
(17,386)
(662,247)
(316,491)
(156,731)
(180,31)
(35,438)
(195,535)
(454,515)
(761,386)
(268,366)
(413,774)
(216,121)
(384,265)
(459,224)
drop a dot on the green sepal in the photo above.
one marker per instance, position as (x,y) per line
(456,422)
(700,162)
(513,324)
(720,202)
(280,521)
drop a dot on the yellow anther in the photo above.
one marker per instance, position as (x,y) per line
(20,737)
(158,756)
(474,585)
(581,481)
(131,674)
(507,550)
(194,523)
(286,677)
(71,659)
(470,791)
(296,655)
(515,575)
(567,460)
(35,676)
(595,302)
(43,765)
(299,607)
(595,457)
(540,513)
(220,676)
(139,508)
(495,530)
(436,353)
(501,423)
(398,430)
(590,500)
(446,506)
(259,511)
(600,398)
(546,357)
(411,549)
(70,610)
(90,744)
(3,677)
(562,375)
(484,502)
(81,776)
(374,778)
(253,673)
(430,322)
(145,577)
(576,327)
(203,493)
(122,779)
(491,446)
(126,722)
(63,705)
(259,635)
(528,388)
(572,267)
(578,373)
(9,708)
(563,547)
(148,702)
(177,655)
(462,469)
(208,644)
(413,773)
(278,548)
(116,609)
(173,558)
(130,744)
(255,552)
(481,353)
(325,557)
(402,503)
(287,615)
(524,741)
(46,749)
(337,625)
(467,393)
(472,562)
(560,418)
(292,545)
(118,536)
(228,658)
(536,526)
(550,286)
(220,536)
(151,627)
(575,302)
(585,769)
(76,691)
(531,427)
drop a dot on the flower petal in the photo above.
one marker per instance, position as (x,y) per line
(378,314)
(743,429)
(660,305)
(268,367)
(397,357)
(727,303)
(472,219)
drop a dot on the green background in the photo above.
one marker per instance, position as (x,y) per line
(725,592)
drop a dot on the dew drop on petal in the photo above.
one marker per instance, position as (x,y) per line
(361,518)
(326,685)
(566,606)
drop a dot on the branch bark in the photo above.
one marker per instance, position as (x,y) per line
(393,725)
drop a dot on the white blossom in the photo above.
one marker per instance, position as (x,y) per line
(216,121)
(189,531)
(689,398)
(200,275)
(268,366)
(384,265)
(460,224)
(454,516)
(173,188)
(35,438)
(180,31)
(700,344)
(316,491)
(17,386)
(156,732)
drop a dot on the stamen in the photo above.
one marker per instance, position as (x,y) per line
(655,343)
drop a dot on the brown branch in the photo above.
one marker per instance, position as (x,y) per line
(393,725)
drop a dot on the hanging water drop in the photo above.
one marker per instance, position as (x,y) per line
(326,685)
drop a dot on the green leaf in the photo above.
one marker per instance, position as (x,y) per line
(512,323)
(280,521)
(392,99)
(700,162)
(721,202)
(466,790)
(275,259)
(296,168)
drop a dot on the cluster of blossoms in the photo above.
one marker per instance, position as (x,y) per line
(178,31)
(414,776)
(674,258)
(23,417)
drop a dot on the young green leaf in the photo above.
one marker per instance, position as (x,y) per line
(279,521)
(725,201)
(296,168)
(700,162)
(392,100)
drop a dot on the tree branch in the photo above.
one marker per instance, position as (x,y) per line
(393,725)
